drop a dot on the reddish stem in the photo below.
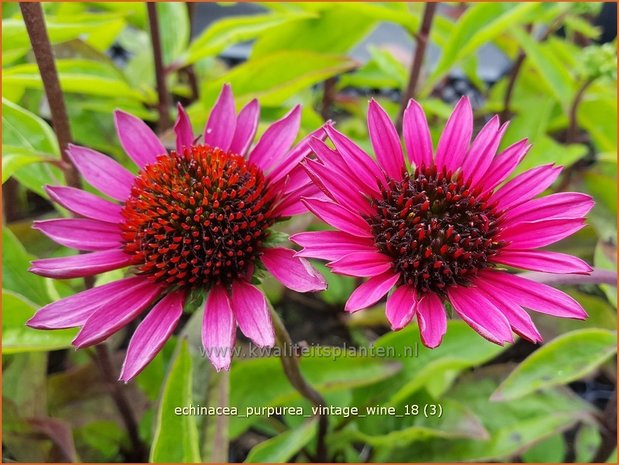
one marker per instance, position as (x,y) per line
(160,75)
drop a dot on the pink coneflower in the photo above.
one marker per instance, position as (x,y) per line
(195,218)
(441,231)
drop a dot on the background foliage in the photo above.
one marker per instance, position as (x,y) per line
(536,404)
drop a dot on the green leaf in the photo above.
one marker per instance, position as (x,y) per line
(226,32)
(15,264)
(598,116)
(273,80)
(604,257)
(176,436)
(480,23)
(550,450)
(564,359)
(17,337)
(21,128)
(586,443)
(14,158)
(281,448)
(174,29)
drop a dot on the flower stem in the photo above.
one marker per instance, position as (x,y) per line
(290,363)
(597,276)
(572,132)
(420,51)
(44,56)
(162,91)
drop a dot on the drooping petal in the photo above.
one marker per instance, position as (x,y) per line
(533,234)
(250,309)
(139,141)
(432,320)
(503,164)
(339,217)
(292,204)
(362,264)
(152,334)
(221,124)
(371,291)
(530,294)
(481,314)
(525,186)
(101,172)
(246,125)
(561,205)
(359,161)
(218,328)
(81,233)
(400,308)
(542,260)
(455,139)
(385,141)
(330,245)
(85,204)
(118,312)
(74,310)
(183,130)
(78,266)
(416,134)
(293,272)
(276,141)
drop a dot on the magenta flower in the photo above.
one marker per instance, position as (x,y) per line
(441,231)
(198,217)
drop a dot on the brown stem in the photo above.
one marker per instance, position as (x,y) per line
(328,97)
(572,132)
(597,276)
(124,408)
(609,430)
(160,75)
(189,70)
(513,75)
(290,363)
(44,56)
(420,50)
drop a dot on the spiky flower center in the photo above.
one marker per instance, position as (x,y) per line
(438,230)
(197,218)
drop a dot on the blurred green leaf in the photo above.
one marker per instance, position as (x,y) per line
(176,436)
(273,80)
(15,274)
(339,287)
(14,158)
(174,29)
(603,185)
(598,116)
(17,337)
(281,448)
(586,443)
(605,257)
(550,450)
(562,360)
(21,128)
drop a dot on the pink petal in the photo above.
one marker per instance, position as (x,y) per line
(116,314)
(339,217)
(530,294)
(504,163)
(183,130)
(330,245)
(218,328)
(74,310)
(540,233)
(481,314)
(250,309)
(400,308)
(454,142)
(561,205)
(385,141)
(360,162)
(246,126)
(417,135)
(86,204)
(138,140)
(542,260)
(102,172)
(292,204)
(518,318)
(293,272)
(276,141)
(432,320)
(371,291)
(78,266)
(295,156)
(81,233)
(221,124)
(362,264)
(483,150)
(525,186)
(152,334)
